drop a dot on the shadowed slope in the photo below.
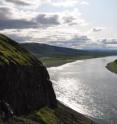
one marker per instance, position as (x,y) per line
(24,81)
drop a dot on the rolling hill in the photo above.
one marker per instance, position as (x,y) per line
(54,56)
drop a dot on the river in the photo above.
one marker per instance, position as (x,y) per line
(88,87)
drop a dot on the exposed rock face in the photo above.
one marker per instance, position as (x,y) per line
(26,86)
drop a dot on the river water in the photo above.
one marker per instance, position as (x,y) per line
(88,87)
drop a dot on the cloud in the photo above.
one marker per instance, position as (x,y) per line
(46,20)
(84,3)
(58,22)
(13,16)
(62,3)
(4,13)
(65,3)
(73,18)
(68,19)
(41,21)
(16,24)
(97,29)
(18,38)
(111,41)
(74,42)
(18,2)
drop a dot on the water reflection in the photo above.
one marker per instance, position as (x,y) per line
(88,87)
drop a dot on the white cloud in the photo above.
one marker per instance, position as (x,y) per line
(84,3)
(64,3)
(62,22)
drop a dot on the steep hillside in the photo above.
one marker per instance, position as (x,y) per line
(25,86)
(24,81)
(11,52)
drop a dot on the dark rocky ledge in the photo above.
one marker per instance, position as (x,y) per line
(24,81)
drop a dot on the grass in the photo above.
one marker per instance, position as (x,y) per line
(48,116)
(112,66)
(10,51)
(60,60)
(60,115)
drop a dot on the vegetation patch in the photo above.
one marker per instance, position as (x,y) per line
(11,52)
(112,66)
(60,115)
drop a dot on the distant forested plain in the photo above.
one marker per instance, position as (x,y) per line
(55,56)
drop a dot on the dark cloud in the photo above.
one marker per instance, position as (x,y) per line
(74,42)
(6,22)
(43,19)
(4,13)
(17,2)
(97,29)
(112,41)
(69,19)
(16,24)
(82,38)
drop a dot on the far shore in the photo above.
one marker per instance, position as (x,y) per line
(60,62)
(111,68)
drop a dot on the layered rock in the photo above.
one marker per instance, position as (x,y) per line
(24,81)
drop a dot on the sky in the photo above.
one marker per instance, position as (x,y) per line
(80,24)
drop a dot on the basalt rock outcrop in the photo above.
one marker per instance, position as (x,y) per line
(24,82)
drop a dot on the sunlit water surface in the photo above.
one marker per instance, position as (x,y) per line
(88,87)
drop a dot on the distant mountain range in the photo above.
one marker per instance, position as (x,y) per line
(44,50)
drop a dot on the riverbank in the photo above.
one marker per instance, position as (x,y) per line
(112,66)
(58,61)
(61,115)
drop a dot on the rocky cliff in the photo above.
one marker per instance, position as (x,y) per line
(24,81)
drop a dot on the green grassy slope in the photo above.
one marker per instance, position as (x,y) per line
(11,52)
(112,66)
(60,115)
